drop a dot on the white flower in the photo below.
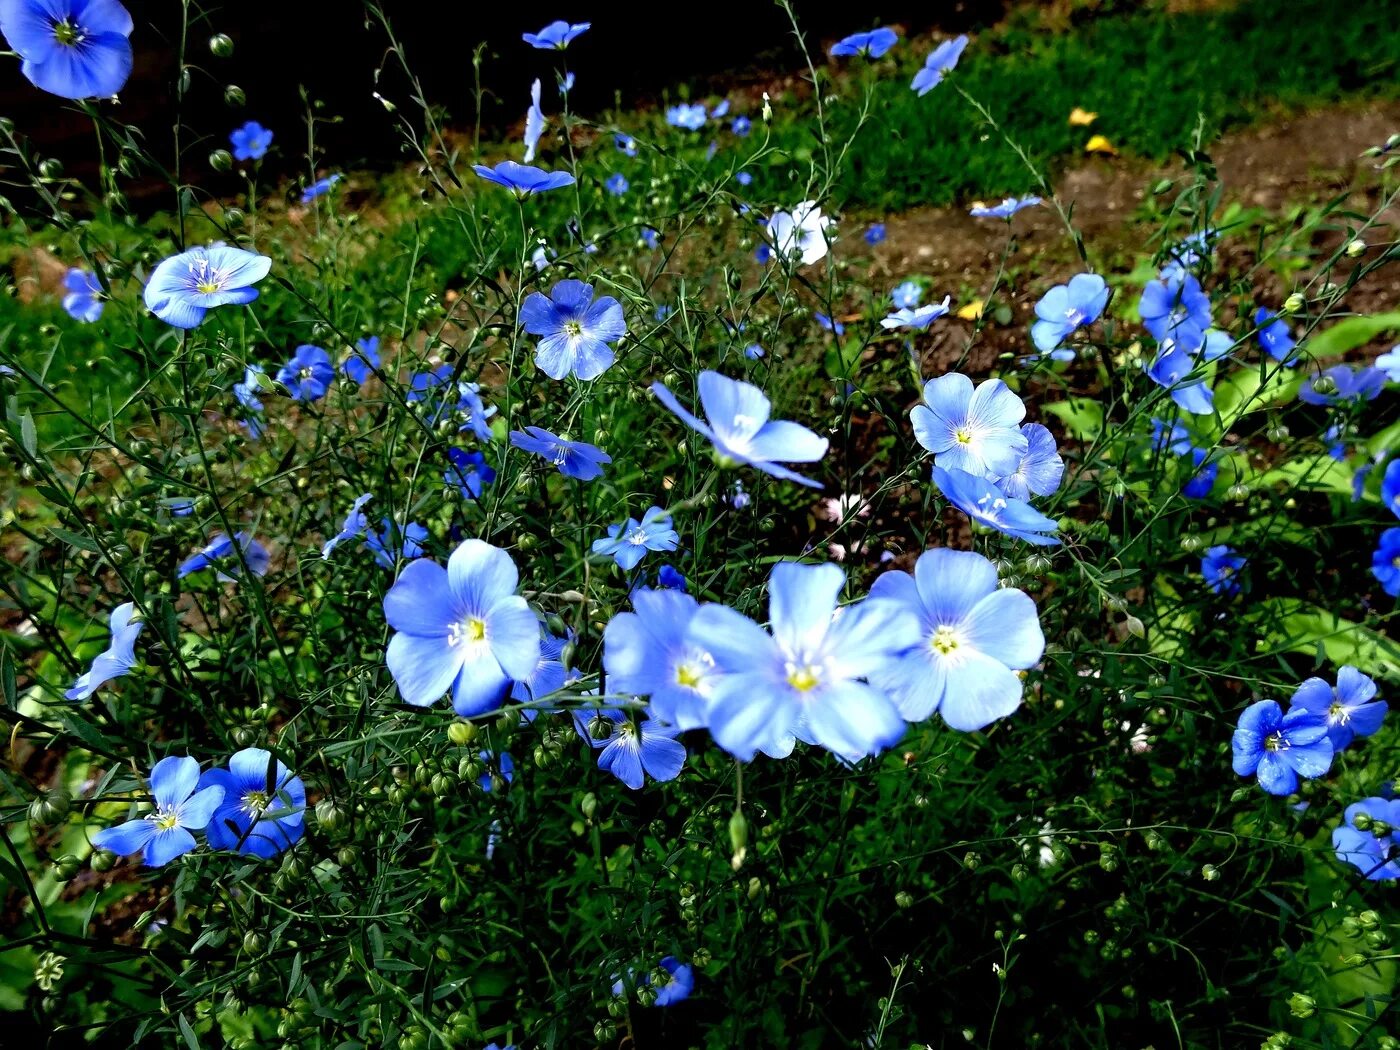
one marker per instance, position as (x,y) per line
(800,233)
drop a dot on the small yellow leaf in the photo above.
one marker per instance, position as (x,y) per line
(1081,118)
(973,310)
(1100,144)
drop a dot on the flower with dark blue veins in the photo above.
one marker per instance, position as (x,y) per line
(633,751)
(319,188)
(906,295)
(308,375)
(219,552)
(184,287)
(918,317)
(1279,748)
(625,144)
(627,543)
(575,330)
(70,48)
(391,541)
(983,502)
(1005,210)
(362,362)
(250,142)
(741,126)
(831,325)
(84,297)
(974,637)
(875,233)
(650,653)
(942,60)
(737,424)
(534,123)
(523,179)
(1350,708)
(1065,308)
(1171,369)
(1390,487)
(116,660)
(1221,567)
(461,629)
(973,430)
(1274,335)
(1372,848)
(574,459)
(685,115)
(263,810)
(468,473)
(871,45)
(1177,311)
(616,184)
(354,525)
(555,36)
(1342,383)
(1039,468)
(182,807)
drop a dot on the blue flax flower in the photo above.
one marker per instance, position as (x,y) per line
(468,473)
(184,287)
(505,770)
(872,44)
(1274,335)
(627,543)
(361,363)
(573,459)
(1066,307)
(875,233)
(1221,567)
(906,295)
(685,115)
(625,144)
(462,629)
(534,123)
(264,804)
(182,807)
(743,178)
(1372,852)
(809,678)
(1040,468)
(753,351)
(1389,363)
(574,329)
(83,299)
(973,430)
(1350,708)
(974,637)
(1177,311)
(549,676)
(738,426)
(831,325)
(219,552)
(1390,487)
(1200,483)
(651,653)
(669,577)
(476,411)
(616,184)
(633,751)
(983,502)
(522,179)
(246,392)
(1342,383)
(319,188)
(308,375)
(391,542)
(1171,369)
(1385,562)
(673,981)
(918,317)
(1007,208)
(70,48)
(1174,439)
(354,525)
(555,36)
(741,126)
(1280,747)
(116,660)
(250,142)
(942,60)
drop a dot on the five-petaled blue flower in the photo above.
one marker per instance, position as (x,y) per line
(462,629)
(741,126)
(1176,311)
(70,48)
(468,473)
(685,115)
(573,459)
(1342,383)
(83,299)
(1390,487)
(1007,208)
(625,144)
(219,552)
(555,36)
(632,751)
(354,525)
(1066,307)
(1373,852)
(673,981)
(1171,369)
(362,362)
(650,653)
(392,541)
(918,317)
(1221,565)
(973,430)
(182,807)
(872,44)
(1274,335)
(627,543)
(319,188)
(906,295)
(1389,363)
(478,414)
(184,287)
(116,660)
(308,375)
(875,233)
(1350,709)
(1280,747)
(264,804)
(983,502)
(250,142)
(1039,469)
(737,424)
(942,60)
(574,329)
(1385,562)
(616,184)
(523,179)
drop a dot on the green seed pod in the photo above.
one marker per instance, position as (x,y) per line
(605,1031)
(443,784)
(221,160)
(904,899)
(1300,1005)
(244,736)
(329,815)
(102,860)
(66,866)
(589,805)
(461,733)
(221,45)
(234,218)
(254,942)
(50,807)
(234,96)
(346,856)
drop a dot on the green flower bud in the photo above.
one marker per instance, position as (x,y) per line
(254,943)
(461,733)
(221,45)
(234,96)
(50,807)
(1294,303)
(221,160)
(1300,1005)
(329,815)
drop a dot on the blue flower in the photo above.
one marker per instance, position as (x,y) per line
(942,60)
(1221,568)
(668,577)
(308,375)
(1200,483)
(468,473)
(1273,335)
(182,806)
(1040,467)
(976,431)
(721,109)
(872,44)
(1335,439)
(1385,562)
(247,391)
(918,317)
(221,550)
(549,676)
(522,179)
(70,48)
(534,123)
(625,144)
(743,178)
(319,188)
(186,286)
(685,115)
(673,981)
(1342,383)
(84,299)
(830,325)
(1066,307)
(567,83)
(462,629)
(741,126)
(1370,851)
(1007,208)
(573,459)
(627,543)
(753,351)
(1176,311)
(1174,439)
(250,142)
(505,769)
(906,296)
(1169,369)
(983,502)
(117,660)
(875,233)
(354,525)
(1390,487)
(555,36)
(631,751)
(809,678)
(1389,363)
(1349,709)
(477,412)
(263,811)
(1186,255)
(360,365)
(575,329)
(651,653)
(391,542)
(740,430)
(1280,747)
(974,637)
(616,184)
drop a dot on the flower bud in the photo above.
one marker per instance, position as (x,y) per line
(65,867)
(588,806)
(102,860)
(1355,247)
(221,160)
(234,96)
(329,815)
(221,45)
(50,807)
(1294,303)
(1300,1005)
(346,856)
(461,733)
(254,943)
(904,899)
